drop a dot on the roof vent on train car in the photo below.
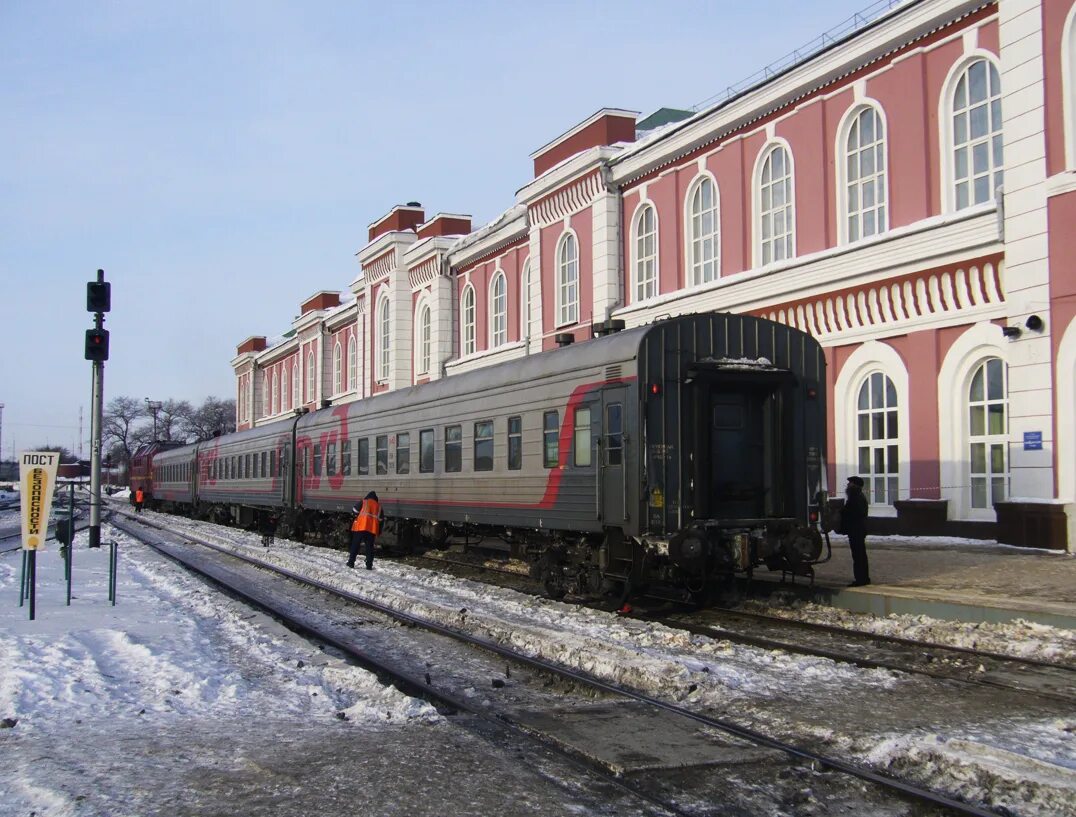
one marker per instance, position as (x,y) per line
(608,327)
(564,339)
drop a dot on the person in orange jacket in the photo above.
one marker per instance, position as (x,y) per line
(365,528)
(139,497)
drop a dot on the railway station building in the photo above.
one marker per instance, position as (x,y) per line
(905,192)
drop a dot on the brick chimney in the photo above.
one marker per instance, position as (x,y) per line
(606,127)
(445,224)
(401,217)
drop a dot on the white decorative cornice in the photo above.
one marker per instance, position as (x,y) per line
(377,268)
(567,172)
(512,225)
(421,275)
(570,199)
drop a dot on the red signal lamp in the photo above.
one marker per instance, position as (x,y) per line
(655,389)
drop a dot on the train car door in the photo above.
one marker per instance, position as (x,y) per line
(613,456)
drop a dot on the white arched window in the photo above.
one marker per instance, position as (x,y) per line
(567,280)
(284,388)
(467,321)
(645,245)
(311,373)
(384,339)
(352,362)
(988,434)
(775,211)
(525,301)
(1068,83)
(878,439)
(977,145)
(295,384)
(703,246)
(273,409)
(265,394)
(864,177)
(423,333)
(338,368)
(498,311)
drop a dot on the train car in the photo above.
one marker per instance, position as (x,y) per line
(671,454)
(174,474)
(140,471)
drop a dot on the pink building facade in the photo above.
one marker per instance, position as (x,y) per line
(905,195)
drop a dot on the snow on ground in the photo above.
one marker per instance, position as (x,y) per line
(1021,639)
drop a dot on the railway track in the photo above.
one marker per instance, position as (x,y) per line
(958,664)
(882,785)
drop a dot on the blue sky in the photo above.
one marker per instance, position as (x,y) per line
(221,161)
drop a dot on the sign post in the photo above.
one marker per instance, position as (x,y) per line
(37,482)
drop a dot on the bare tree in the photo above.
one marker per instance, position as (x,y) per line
(213,417)
(171,419)
(65,455)
(120,429)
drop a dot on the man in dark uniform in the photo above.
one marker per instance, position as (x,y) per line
(854,526)
(364,529)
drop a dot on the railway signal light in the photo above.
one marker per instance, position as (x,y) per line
(97,345)
(98,296)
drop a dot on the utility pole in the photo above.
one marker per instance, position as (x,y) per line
(1,433)
(98,301)
(153,406)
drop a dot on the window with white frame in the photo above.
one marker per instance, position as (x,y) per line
(424,326)
(525,301)
(311,373)
(775,210)
(284,388)
(498,311)
(352,362)
(567,280)
(295,384)
(384,337)
(273,409)
(467,321)
(865,176)
(988,434)
(645,232)
(877,438)
(265,394)
(338,368)
(977,141)
(703,246)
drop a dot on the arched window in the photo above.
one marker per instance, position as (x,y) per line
(776,214)
(645,242)
(976,134)
(284,388)
(702,237)
(877,439)
(988,434)
(865,179)
(467,321)
(295,384)
(567,280)
(498,311)
(1068,83)
(424,324)
(384,338)
(265,394)
(338,368)
(273,408)
(525,301)
(311,373)
(352,362)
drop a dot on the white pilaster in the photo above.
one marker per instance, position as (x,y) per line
(536,323)
(606,238)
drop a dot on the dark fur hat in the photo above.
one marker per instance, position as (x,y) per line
(856,481)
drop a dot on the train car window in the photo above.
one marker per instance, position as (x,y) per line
(248,468)
(362,456)
(614,434)
(272,464)
(283,462)
(425,451)
(403,453)
(515,443)
(550,439)
(345,456)
(381,453)
(483,446)
(330,459)
(316,470)
(582,437)
(453,449)
(265,465)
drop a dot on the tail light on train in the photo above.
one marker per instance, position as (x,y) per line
(655,389)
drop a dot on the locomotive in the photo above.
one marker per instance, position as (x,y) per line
(669,456)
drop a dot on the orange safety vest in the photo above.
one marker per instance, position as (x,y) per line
(139,496)
(369,518)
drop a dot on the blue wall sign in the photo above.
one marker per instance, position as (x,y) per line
(1033,441)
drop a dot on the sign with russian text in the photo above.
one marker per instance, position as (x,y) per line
(1033,441)
(37,480)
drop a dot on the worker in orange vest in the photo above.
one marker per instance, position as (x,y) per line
(140,497)
(365,528)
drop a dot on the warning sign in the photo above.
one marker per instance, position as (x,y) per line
(37,480)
